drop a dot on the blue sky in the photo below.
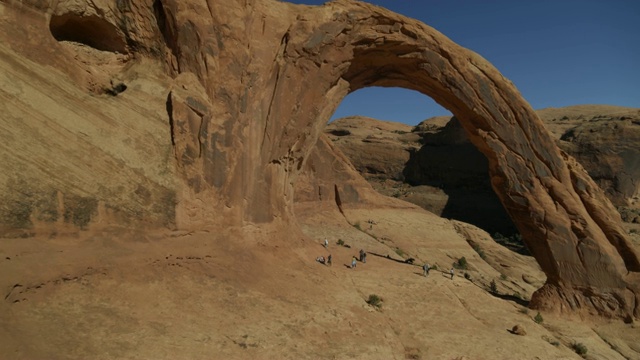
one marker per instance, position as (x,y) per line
(557,52)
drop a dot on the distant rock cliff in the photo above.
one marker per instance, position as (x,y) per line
(435,166)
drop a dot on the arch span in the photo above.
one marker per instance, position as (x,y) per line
(570,227)
(268,93)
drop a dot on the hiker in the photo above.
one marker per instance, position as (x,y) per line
(364,258)
(329,260)
(326,243)
(361,255)
(353,262)
(451,272)
(425,269)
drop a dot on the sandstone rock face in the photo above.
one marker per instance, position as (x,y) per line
(610,150)
(71,160)
(242,119)
(436,167)
(432,165)
(378,149)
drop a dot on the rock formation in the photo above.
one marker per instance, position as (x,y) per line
(241,119)
(609,150)
(434,165)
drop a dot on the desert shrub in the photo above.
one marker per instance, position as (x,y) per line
(555,343)
(503,277)
(538,318)
(579,348)
(434,267)
(400,252)
(357,226)
(467,276)
(493,286)
(524,310)
(340,242)
(461,263)
(375,301)
(517,295)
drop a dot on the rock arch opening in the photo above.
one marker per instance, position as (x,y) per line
(90,30)
(430,163)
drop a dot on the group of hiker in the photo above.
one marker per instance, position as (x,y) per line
(363,259)
(324,261)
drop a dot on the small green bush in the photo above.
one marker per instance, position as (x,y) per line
(340,242)
(493,287)
(461,264)
(399,252)
(503,277)
(357,226)
(555,343)
(579,348)
(375,301)
(467,276)
(538,318)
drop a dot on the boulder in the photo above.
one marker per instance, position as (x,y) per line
(518,330)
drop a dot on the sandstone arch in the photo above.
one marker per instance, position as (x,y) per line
(254,82)
(571,228)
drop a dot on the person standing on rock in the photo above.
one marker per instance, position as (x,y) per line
(353,262)
(361,255)
(329,260)
(364,257)
(326,243)
(451,273)
(425,269)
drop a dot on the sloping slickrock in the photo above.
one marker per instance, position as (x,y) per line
(270,74)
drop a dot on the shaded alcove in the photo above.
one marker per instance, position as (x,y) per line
(89,30)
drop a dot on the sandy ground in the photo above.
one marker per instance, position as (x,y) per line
(247,294)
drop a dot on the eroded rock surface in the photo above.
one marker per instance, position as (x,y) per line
(434,165)
(252,84)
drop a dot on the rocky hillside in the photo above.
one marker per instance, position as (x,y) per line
(435,166)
